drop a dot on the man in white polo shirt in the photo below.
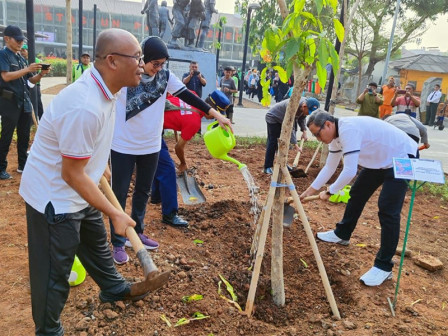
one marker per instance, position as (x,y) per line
(60,184)
(372,144)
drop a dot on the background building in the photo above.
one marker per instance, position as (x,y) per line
(50,19)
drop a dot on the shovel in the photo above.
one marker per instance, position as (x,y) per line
(302,173)
(153,278)
(189,189)
(289,210)
(297,172)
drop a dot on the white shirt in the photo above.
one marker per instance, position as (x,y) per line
(78,124)
(142,134)
(369,142)
(434,97)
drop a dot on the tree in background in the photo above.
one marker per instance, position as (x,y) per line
(415,15)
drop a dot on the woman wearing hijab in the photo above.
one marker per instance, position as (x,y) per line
(138,136)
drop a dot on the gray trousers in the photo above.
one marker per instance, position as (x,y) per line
(179,22)
(53,241)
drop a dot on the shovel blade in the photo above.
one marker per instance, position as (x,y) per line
(189,189)
(297,172)
(288,215)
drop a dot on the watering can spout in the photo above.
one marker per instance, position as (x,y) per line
(225,157)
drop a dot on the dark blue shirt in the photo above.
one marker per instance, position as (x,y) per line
(10,62)
(194,84)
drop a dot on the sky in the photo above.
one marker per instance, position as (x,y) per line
(436,36)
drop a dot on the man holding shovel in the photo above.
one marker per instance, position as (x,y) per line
(274,119)
(60,184)
(371,143)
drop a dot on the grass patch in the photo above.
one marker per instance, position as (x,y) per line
(436,189)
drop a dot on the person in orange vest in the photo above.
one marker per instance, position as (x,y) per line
(387,91)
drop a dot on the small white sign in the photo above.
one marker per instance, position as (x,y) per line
(419,169)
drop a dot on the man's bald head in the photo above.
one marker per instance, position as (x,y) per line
(118,59)
(112,40)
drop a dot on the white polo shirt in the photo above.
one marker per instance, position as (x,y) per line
(365,141)
(78,124)
(142,134)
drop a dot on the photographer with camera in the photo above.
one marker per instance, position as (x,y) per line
(194,80)
(407,103)
(370,101)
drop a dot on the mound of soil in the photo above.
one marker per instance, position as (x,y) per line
(225,227)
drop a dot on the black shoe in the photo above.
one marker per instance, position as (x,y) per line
(155,201)
(174,220)
(20,170)
(4,175)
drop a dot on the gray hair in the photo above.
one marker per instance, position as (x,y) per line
(319,117)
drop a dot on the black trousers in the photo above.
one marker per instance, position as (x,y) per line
(431,114)
(274,131)
(12,118)
(390,203)
(53,241)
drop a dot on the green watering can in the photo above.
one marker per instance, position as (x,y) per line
(219,142)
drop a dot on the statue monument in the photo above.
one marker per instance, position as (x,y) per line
(205,24)
(164,18)
(151,8)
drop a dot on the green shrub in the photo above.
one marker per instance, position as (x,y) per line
(58,66)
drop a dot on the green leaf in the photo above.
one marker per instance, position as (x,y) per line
(291,48)
(321,75)
(198,242)
(269,37)
(299,5)
(229,288)
(199,316)
(309,16)
(334,5)
(281,73)
(191,298)
(323,52)
(339,28)
(334,57)
(319,5)
(182,321)
(289,69)
(304,263)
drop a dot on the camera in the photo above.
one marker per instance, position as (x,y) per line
(45,66)
(401,91)
(370,91)
(195,73)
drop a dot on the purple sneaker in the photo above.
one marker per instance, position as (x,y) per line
(120,256)
(148,243)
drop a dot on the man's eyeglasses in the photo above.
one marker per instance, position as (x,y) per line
(138,58)
(158,64)
(317,134)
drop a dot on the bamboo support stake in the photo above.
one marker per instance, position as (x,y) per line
(277,278)
(314,157)
(309,233)
(261,244)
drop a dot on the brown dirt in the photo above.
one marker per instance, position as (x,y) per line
(54,89)
(224,225)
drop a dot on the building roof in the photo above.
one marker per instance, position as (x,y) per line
(424,62)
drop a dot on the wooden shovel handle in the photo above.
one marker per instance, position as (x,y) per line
(310,198)
(296,160)
(130,231)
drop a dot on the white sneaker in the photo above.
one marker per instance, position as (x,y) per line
(330,237)
(375,277)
